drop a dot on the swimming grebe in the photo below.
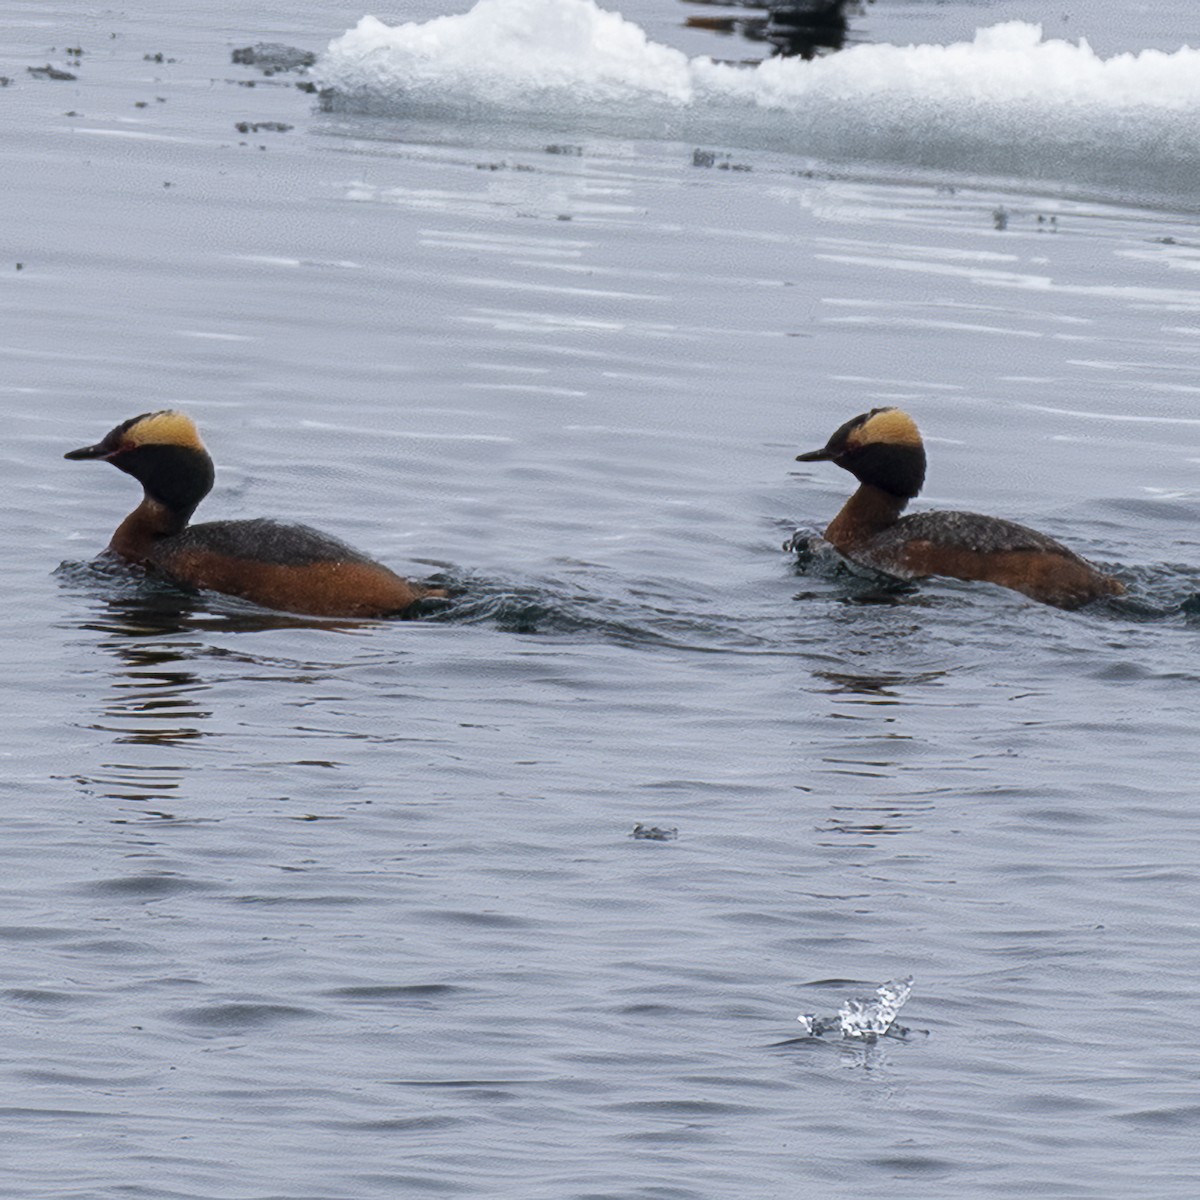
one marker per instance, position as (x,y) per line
(288,567)
(883,450)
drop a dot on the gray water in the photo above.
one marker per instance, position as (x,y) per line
(300,909)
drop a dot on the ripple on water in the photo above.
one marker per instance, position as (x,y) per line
(39,997)
(238,1015)
(148,886)
(1172,1117)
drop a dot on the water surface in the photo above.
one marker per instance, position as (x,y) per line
(325,909)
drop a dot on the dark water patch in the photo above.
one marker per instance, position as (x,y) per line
(684,1108)
(411,1184)
(1166,1120)
(687,1136)
(1067,817)
(490,1090)
(913,1164)
(1160,875)
(400,993)
(647,1192)
(707,975)
(241,1015)
(133,1191)
(41,997)
(18,1112)
(1124,672)
(325,900)
(480,920)
(755,919)
(757,1083)
(822,944)
(657,1011)
(35,933)
(424,1124)
(693,787)
(1141,514)
(152,886)
(76,1079)
(117,947)
(1061,1104)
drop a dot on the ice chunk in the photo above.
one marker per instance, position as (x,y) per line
(863,1017)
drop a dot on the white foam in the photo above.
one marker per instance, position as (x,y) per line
(1010,102)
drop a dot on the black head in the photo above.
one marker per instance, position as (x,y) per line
(163,451)
(881,448)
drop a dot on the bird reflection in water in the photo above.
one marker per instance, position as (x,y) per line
(158,637)
(876,689)
(792,28)
(867,817)
(870,820)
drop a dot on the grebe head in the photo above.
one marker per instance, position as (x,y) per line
(882,448)
(163,452)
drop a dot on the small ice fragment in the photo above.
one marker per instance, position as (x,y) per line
(807,1019)
(866,1017)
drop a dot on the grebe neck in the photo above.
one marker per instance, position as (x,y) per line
(868,512)
(148,524)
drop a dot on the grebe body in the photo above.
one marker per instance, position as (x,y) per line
(884,451)
(288,567)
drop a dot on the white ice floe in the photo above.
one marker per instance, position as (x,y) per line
(1009,102)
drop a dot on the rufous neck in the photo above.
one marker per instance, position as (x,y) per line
(151,521)
(866,513)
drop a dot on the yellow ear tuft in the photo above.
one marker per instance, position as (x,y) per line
(166,428)
(889,427)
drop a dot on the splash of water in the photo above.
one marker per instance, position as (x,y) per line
(863,1018)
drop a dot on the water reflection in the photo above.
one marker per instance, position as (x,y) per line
(876,689)
(873,818)
(154,697)
(156,693)
(132,781)
(793,28)
(864,764)
(152,700)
